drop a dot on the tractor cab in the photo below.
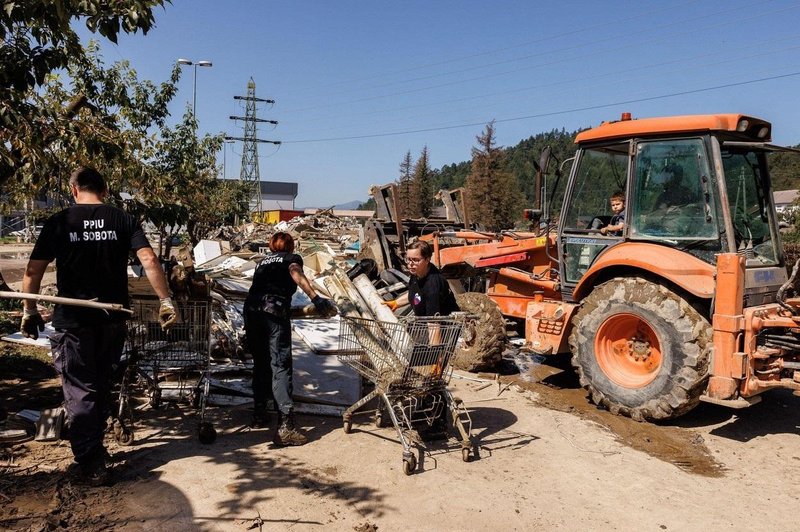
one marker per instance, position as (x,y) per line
(693,187)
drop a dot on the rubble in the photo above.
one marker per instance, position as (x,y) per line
(220,270)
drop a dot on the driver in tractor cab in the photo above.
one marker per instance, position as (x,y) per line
(675,193)
(617,203)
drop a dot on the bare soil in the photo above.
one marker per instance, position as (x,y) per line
(547,459)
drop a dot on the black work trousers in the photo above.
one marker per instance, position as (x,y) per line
(84,358)
(270,340)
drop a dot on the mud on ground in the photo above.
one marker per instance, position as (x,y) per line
(530,466)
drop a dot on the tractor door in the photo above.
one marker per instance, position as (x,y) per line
(598,174)
(674,200)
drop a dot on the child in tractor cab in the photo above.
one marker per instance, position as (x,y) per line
(614,227)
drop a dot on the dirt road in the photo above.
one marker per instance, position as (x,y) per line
(547,460)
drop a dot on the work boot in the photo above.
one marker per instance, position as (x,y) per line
(260,419)
(287,434)
(95,472)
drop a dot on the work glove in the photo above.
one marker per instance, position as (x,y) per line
(325,307)
(392,304)
(166,314)
(32,324)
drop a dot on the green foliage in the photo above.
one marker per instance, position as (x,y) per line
(451,176)
(405,187)
(109,124)
(421,203)
(110,134)
(368,205)
(493,195)
(37,39)
(784,168)
(518,161)
(180,187)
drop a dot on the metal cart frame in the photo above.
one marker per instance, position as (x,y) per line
(409,364)
(176,360)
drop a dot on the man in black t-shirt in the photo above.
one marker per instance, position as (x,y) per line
(90,243)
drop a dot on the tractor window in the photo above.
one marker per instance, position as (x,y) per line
(749,204)
(673,195)
(602,172)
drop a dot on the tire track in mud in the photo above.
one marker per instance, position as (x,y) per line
(557,388)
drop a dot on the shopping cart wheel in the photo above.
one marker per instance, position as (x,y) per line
(465,454)
(122,434)
(347,426)
(207,434)
(155,399)
(409,464)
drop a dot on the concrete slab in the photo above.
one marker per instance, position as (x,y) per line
(322,336)
(323,379)
(43,341)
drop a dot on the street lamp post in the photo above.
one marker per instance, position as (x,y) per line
(225,157)
(194,85)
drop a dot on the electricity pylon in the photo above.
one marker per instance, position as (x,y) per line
(250,173)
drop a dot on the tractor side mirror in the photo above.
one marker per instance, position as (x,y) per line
(544,160)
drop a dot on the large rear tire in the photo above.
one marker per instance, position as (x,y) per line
(483,341)
(641,350)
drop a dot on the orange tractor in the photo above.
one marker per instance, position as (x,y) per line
(690,300)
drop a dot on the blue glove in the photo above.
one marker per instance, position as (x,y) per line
(324,306)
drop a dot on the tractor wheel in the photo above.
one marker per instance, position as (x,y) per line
(641,350)
(482,346)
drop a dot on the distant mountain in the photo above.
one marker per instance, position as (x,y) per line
(350,205)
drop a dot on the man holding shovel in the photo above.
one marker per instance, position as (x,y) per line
(90,242)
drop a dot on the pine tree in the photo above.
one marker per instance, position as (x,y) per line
(494,198)
(404,187)
(422,187)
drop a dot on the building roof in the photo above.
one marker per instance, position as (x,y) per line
(278,188)
(785,197)
(343,212)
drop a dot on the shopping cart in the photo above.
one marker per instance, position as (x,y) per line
(166,365)
(409,364)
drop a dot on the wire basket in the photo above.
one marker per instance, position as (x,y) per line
(170,365)
(184,346)
(413,353)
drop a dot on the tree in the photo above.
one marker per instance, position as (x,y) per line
(784,170)
(404,186)
(493,195)
(421,204)
(110,134)
(187,192)
(37,39)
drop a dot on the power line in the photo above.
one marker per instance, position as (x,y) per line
(584,45)
(548,38)
(551,52)
(551,113)
(634,69)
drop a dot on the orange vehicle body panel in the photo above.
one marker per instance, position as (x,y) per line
(728,322)
(686,271)
(547,326)
(666,125)
(748,353)
(482,253)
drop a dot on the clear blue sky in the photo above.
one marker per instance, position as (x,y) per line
(370,69)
